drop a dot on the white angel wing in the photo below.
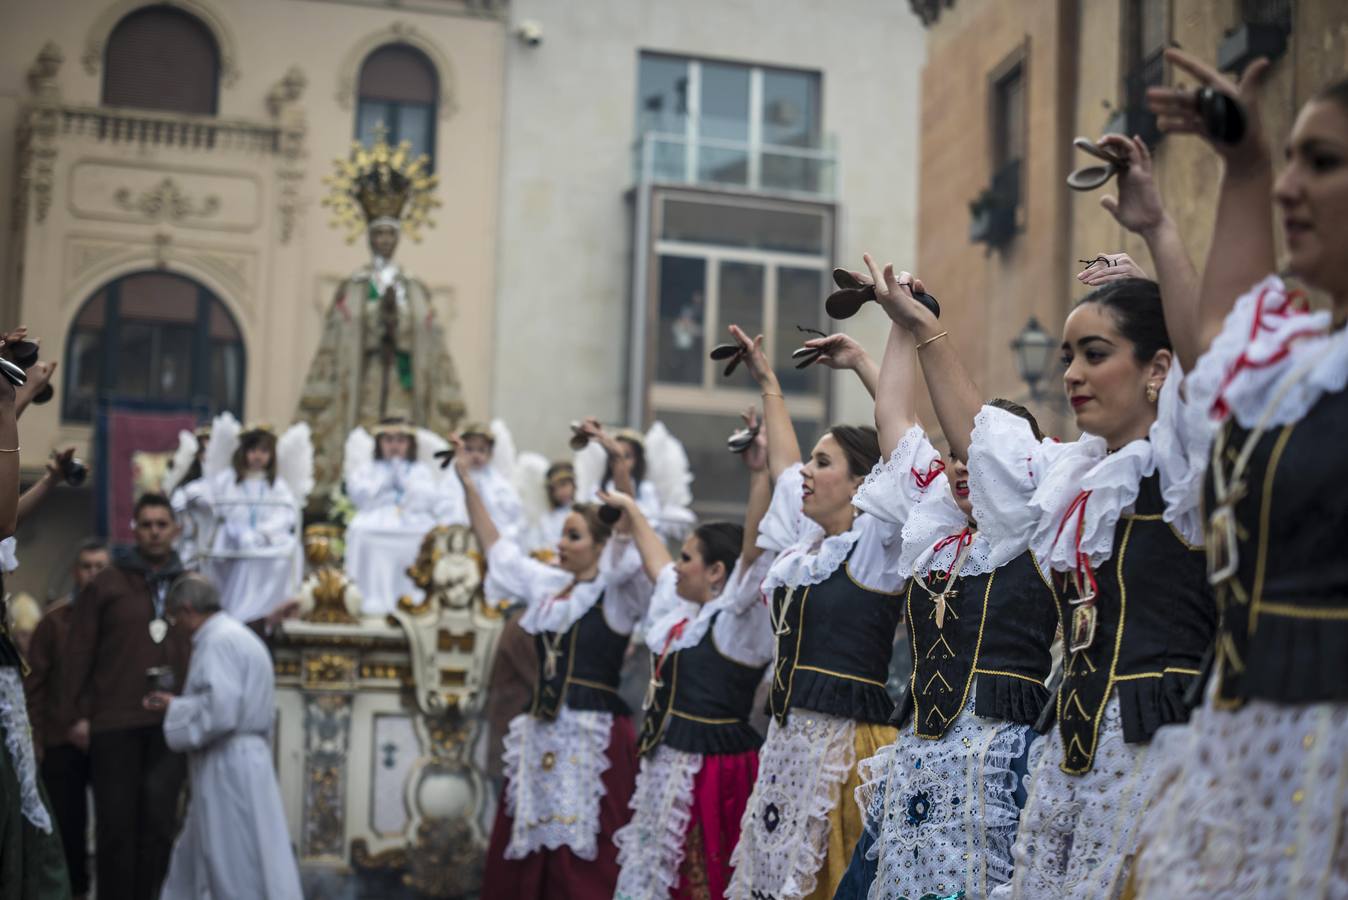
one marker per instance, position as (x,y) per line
(667,467)
(590,463)
(503,452)
(358,451)
(224,441)
(182,460)
(428,444)
(295,461)
(531,473)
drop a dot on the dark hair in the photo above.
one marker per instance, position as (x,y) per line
(92,545)
(1335,91)
(600,530)
(1016,409)
(721,542)
(1135,305)
(860,445)
(192,474)
(411,445)
(247,441)
(638,462)
(147,500)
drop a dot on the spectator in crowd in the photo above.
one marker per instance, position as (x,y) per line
(60,741)
(120,634)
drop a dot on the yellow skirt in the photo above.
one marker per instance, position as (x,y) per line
(844,820)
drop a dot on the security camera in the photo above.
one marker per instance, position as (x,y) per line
(530,33)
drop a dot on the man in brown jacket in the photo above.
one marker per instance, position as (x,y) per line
(119,633)
(62,743)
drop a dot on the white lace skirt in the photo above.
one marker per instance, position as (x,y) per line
(1253,806)
(1078,833)
(943,812)
(784,832)
(555,781)
(19,746)
(651,845)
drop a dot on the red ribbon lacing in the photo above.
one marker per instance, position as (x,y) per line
(1285,304)
(675,633)
(960,540)
(924,480)
(1084,572)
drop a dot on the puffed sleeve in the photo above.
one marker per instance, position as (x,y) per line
(1005,466)
(510,573)
(785,524)
(743,631)
(1181,439)
(664,597)
(627,590)
(896,485)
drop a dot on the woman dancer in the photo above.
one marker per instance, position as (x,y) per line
(941,801)
(710,641)
(396,499)
(254,556)
(1114,514)
(835,607)
(570,761)
(1256,805)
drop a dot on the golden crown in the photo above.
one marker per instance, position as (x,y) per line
(381,182)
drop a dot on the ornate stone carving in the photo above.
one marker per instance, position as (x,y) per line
(166,200)
(348,74)
(446,860)
(394,859)
(326,595)
(37,137)
(283,104)
(448,569)
(329,670)
(96,41)
(327,726)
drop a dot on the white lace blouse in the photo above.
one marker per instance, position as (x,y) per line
(742,633)
(623,585)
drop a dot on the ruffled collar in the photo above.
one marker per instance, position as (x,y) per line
(555,613)
(813,558)
(673,609)
(934,535)
(1268,336)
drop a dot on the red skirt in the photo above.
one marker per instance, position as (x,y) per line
(559,874)
(720,793)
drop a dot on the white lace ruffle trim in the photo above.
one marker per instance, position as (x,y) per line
(554,771)
(651,845)
(1263,324)
(784,832)
(19,743)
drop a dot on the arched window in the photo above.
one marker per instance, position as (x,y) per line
(153,336)
(398,89)
(159,57)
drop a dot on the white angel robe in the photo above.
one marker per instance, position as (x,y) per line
(498,495)
(234,841)
(192,508)
(397,502)
(254,558)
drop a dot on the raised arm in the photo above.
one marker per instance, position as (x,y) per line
(1242,249)
(760,493)
(654,554)
(484,529)
(895,403)
(621,468)
(1139,209)
(783,447)
(841,351)
(953,393)
(9,462)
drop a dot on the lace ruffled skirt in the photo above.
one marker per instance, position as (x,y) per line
(1255,804)
(943,813)
(1078,834)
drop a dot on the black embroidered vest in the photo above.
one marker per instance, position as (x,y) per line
(703,703)
(997,630)
(588,666)
(1155,621)
(834,642)
(1284,629)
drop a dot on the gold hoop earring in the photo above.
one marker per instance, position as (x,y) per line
(1152,393)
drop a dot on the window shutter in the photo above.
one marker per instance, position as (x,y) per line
(162,58)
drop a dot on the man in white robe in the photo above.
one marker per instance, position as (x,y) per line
(234,842)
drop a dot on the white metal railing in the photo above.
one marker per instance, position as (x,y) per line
(767,168)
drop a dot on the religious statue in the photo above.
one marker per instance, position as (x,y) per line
(383,353)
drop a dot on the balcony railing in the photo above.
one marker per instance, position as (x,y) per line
(151,129)
(761,168)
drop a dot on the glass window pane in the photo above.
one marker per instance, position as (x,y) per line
(370,114)
(790,108)
(414,125)
(83,363)
(744,226)
(135,359)
(226,377)
(718,165)
(741,297)
(173,368)
(680,341)
(800,294)
(789,172)
(662,95)
(725,102)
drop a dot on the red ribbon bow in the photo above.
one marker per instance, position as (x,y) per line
(1292,303)
(924,480)
(1083,561)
